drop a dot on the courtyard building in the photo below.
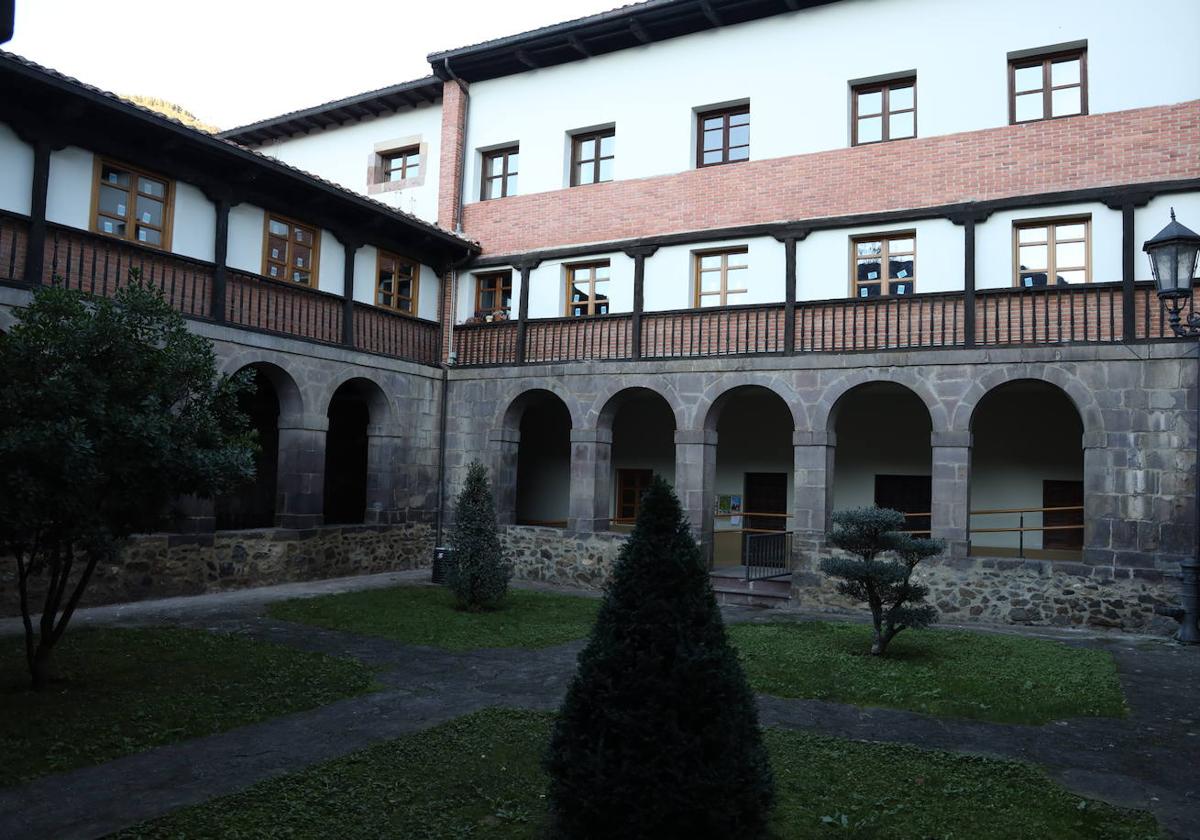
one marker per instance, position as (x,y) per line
(722,242)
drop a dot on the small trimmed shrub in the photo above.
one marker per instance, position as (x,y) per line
(478,575)
(658,735)
(886,585)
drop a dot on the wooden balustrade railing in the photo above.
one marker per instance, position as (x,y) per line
(729,331)
(486,344)
(883,323)
(13,241)
(602,337)
(262,304)
(392,334)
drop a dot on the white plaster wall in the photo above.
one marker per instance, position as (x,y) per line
(994,243)
(959,51)
(427,297)
(1156,215)
(244,251)
(548,285)
(16,172)
(331,274)
(670,274)
(823,264)
(194,229)
(365,263)
(342,154)
(69,193)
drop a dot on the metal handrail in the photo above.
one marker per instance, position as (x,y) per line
(1021,529)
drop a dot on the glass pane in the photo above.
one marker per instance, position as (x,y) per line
(300,277)
(278,228)
(491,188)
(414,169)
(276,249)
(1029,78)
(1069,255)
(1031,234)
(584,172)
(154,188)
(1066,102)
(601,273)
(506,299)
(406,270)
(868,269)
(901,246)
(404,288)
(606,170)
(385,299)
(513,160)
(1029,107)
(602,307)
(740,153)
(302,257)
(1062,232)
(1064,72)
(900,268)
(869,290)
(739,135)
(394,175)
(710,281)
(901,98)
(1029,279)
(717,122)
(869,249)
(1033,256)
(608,146)
(870,130)
(1071,277)
(386,278)
(710,261)
(870,103)
(709,300)
(113,201)
(274,271)
(902,125)
(903,288)
(495,165)
(587,150)
(740,119)
(149,211)
(713,139)
(114,226)
(510,188)
(487,299)
(303,236)
(111,175)
(712,157)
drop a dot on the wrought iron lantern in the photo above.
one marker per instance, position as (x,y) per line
(1172,255)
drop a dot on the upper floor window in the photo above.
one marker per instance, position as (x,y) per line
(723,136)
(402,164)
(720,276)
(587,289)
(884,265)
(1051,252)
(500,173)
(493,292)
(290,251)
(883,111)
(131,204)
(1042,87)
(396,282)
(592,156)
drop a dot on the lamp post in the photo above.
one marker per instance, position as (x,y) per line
(1172,255)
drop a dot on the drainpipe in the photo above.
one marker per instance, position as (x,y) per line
(441,481)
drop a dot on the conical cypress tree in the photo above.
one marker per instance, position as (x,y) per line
(658,736)
(479,575)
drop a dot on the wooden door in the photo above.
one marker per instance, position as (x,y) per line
(1062,494)
(631,484)
(765,493)
(907,494)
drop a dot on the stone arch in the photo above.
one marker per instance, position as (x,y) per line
(291,400)
(531,452)
(710,408)
(510,418)
(824,414)
(357,474)
(1079,394)
(373,395)
(609,403)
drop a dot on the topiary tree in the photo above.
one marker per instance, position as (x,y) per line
(478,576)
(109,409)
(658,735)
(886,585)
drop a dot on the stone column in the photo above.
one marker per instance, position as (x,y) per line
(812,485)
(951,510)
(696,480)
(591,480)
(300,487)
(382,476)
(504,444)
(1107,528)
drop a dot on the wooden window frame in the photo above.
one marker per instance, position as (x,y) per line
(505,153)
(724,292)
(884,258)
(316,249)
(885,112)
(168,202)
(577,140)
(507,284)
(640,478)
(1046,60)
(380,256)
(592,301)
(403,155)
(1052,268)
(726,113)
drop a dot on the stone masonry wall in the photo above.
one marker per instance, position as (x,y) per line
(166,565)
(551,555)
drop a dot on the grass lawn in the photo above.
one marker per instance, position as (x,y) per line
(127,690)
(955,673)
(425,615)
(478,777)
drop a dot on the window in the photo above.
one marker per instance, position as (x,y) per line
(131,204)
(723,136)
(592,156)
(1056,248)
(396,283)
(493,292)
(587,289)
(869,254)
(499,173)
(719,276)
(883,111)
(402,164)
(1047,86)
(631,484)
(290,252)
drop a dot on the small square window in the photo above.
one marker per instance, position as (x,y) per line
(1049,86)
(723,136)
(883,111)
(499,173)
(883,265)
(592,156)
(402,164)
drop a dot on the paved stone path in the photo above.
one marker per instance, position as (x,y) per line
(1151,760)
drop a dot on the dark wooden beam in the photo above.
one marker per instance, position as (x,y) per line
(525,58)
(35,245)
(710,13)
(639,31)
(216,307)
(639,254)
(578,46)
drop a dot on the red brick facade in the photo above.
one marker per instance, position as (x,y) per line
(454,104)
(1143,145)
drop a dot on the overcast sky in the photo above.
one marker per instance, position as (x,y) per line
(231,62)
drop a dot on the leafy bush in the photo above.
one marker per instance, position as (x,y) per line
(478,576)
(658,735)
(886,585)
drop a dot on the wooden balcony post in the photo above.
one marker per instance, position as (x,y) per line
(216,307)
(350,246)
(1127,204)
(525,267)
(35,246)
(968,219)
(639,254)
(789,237)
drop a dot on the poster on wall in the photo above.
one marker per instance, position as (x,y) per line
(735,508)
(724,505)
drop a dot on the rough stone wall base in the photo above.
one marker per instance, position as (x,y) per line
(165,565)
(552,555)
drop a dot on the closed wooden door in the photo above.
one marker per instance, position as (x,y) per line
(907,494)
(765,493)
(1059,494)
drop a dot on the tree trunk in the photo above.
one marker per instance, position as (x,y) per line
(40,668)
